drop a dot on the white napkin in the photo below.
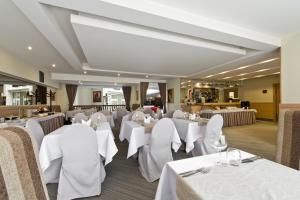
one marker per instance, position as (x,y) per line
(89,122)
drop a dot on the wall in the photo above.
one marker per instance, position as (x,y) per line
(12,65)
(251,90)
(61,98)
(290,62)
(174,84)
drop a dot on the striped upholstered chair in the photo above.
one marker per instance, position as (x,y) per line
(20,174)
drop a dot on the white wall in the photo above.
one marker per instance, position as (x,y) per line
(251,89)
(12,65)
(175,84)
(290,69)
(61,98)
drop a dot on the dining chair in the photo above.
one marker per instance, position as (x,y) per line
(212,141)
(35,129)
(154,156)
(80,170)
(138,116)
(78,117)
(178,114)
(105,112)
(20,173)
(96,118)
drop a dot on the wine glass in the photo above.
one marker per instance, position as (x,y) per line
(233,156)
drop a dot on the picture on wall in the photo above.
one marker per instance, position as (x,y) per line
(97,96)
(171,95)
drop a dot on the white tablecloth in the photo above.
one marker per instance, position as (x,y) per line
(262,179)
(134,133)
(189,131)
(50,154)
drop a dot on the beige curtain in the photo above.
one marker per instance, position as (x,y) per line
(127,96)
(143,92)
(71,92)
(162,90)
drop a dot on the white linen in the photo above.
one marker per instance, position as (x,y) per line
(166,189)
(80,171)
(212,140)
(154,156)
(261,180)
(106,145)
(138,115)
(189,132)
(134,133)
(78,117)
(178,114)
(35,129)
(50,151)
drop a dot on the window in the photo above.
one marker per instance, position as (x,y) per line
(113,96)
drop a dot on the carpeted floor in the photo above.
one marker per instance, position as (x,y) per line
(124,182)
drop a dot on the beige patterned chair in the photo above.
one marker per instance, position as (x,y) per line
(20,174)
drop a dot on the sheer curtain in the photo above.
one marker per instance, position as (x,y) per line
(71,92)
(143,91)
(162,90)
(127,96)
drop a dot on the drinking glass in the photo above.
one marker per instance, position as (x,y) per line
(233,156)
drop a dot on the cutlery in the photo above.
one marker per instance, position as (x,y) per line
(203,170)
(252,159)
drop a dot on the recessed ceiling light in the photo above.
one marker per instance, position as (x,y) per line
(147,76)
(262,70)
(53,65)
(228,77)
(223,72)
(29,48)
(243,74)
(118,74)
(85,72)
(209,76)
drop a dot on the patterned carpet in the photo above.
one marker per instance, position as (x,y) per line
(124,182)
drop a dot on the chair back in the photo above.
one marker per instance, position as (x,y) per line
(178,114)
(89,112)
(98,117)
(35,129)
(20,173)
(106,112)
(213,129)
(148,111)
(138,116)
(121,114)
(78,117)
(80,161)
(161,139)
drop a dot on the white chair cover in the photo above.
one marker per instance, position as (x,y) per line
(35,129)
(148,111)
(138,116)
(78,117)
(97,117)
(121,114)
(80,171)
(154,156)
(178,114)
(212,139)
(124,118)
(106,112)
(89,112)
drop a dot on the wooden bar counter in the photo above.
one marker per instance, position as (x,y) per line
(200,106)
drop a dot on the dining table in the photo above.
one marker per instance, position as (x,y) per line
(50,154)
(138,134)
(233,117)
(260,179)
(190,130)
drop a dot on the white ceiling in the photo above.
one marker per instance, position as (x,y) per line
(278,18)
(159,38)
